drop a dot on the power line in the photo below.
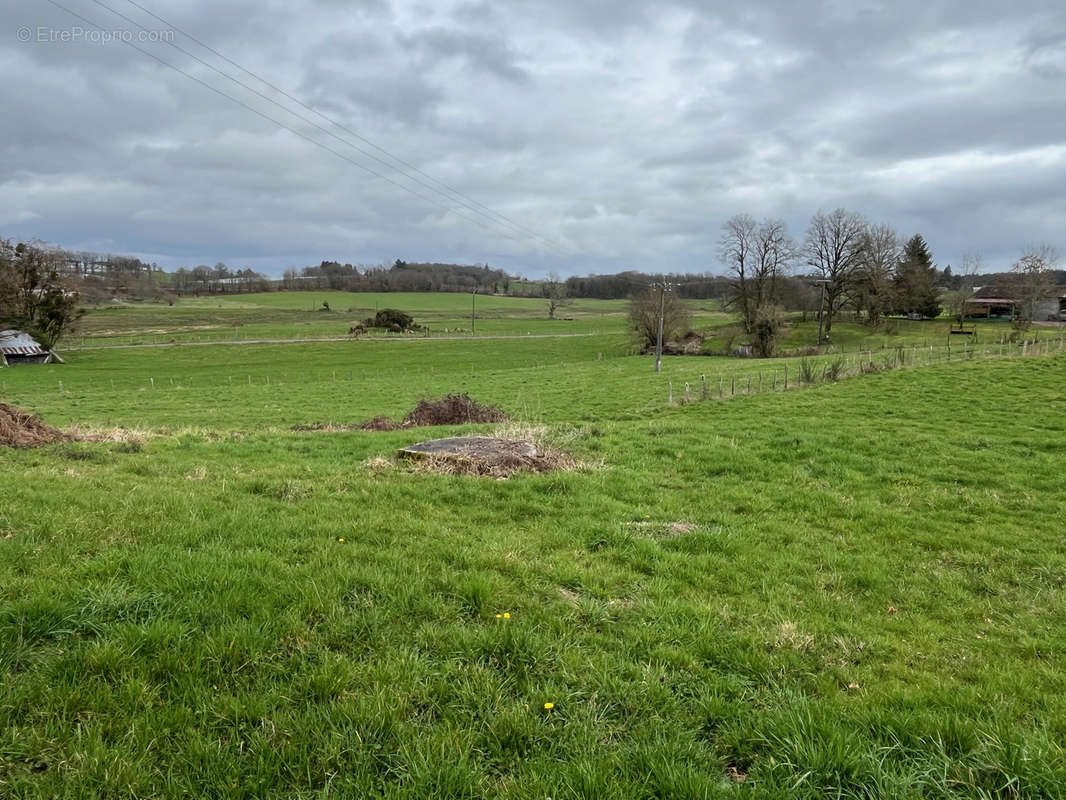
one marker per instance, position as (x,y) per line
(332,121)
(287,127)
(468,205)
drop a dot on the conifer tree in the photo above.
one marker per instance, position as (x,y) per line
(915,280)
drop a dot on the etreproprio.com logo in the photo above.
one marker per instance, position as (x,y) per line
(79,35)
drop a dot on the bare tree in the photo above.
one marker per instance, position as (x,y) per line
(834,248)
(735,251)
(957,300)
(1031,278)
(556,292)
(644,317)
(758,256)
(873,286)
(972,264)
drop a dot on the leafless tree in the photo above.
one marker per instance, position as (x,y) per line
(758,256)
(735,251)
(972,264)
(644,317)
(1031,279)
(873,286)
(834,248)
(556,292)
(957,300)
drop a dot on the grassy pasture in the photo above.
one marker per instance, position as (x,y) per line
(251,387)
(851,590)
(299,315)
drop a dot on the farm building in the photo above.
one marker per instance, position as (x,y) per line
(999,304)
(18,348)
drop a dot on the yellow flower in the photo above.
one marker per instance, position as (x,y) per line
(499,616)
(549,706)
(506,614)
(341,539)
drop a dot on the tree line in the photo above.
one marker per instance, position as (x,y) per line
(34,297)
(861,267)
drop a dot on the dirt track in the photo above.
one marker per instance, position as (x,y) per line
(332,339)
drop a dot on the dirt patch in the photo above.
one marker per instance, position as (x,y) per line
(19,429)
(485,455)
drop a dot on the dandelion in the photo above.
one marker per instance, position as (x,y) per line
(340,539)
(499,616)
(549,706)
(506,614)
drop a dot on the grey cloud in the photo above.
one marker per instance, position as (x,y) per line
(629,129)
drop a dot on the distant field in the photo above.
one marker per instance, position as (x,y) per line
(453,304)
(300,315)
(851,589)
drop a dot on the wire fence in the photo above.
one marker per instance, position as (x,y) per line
(805,371)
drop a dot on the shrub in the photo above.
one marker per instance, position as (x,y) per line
(392,319)
(834,370)
(769,322)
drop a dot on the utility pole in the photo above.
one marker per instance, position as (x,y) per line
(821,307)
(473,299)
(659,339)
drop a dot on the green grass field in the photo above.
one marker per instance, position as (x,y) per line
(300,315)
(294,315)
(851,589)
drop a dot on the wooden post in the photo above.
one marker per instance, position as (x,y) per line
(733,386)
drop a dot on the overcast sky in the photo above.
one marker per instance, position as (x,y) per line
(624,133)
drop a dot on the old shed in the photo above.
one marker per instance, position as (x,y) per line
(17,348)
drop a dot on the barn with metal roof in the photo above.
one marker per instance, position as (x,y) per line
(17,348)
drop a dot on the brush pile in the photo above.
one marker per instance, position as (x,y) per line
(19,429)
(452,409)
